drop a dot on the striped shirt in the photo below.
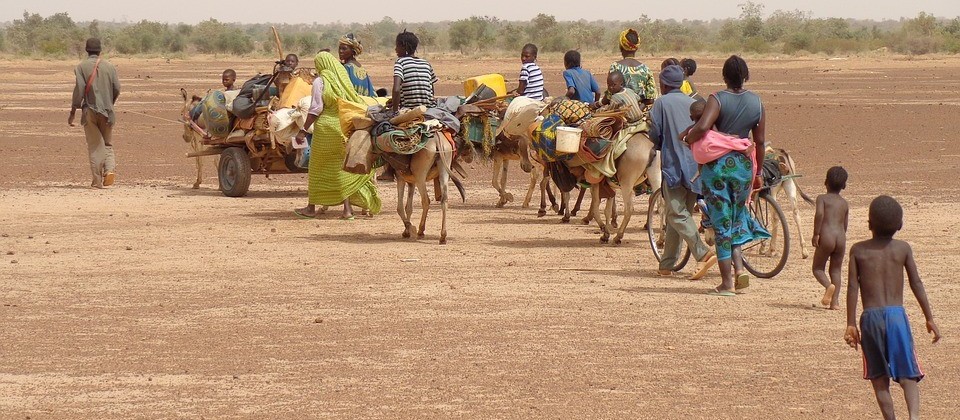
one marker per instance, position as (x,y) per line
(416,82)
(530,73)
(629,100)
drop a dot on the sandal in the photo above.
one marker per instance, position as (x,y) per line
(300,214)
(724,293)
(742,281)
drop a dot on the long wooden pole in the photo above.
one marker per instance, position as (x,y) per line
(276,38)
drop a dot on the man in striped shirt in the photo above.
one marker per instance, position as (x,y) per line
(531,78)
(413,77)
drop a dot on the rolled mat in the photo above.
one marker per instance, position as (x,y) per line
(404,142)
(602,128)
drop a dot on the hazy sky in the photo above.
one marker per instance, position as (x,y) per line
(325,11)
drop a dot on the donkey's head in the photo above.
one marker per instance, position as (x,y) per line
(189,103)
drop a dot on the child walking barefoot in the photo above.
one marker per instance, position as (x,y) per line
(830,236)
(876,272)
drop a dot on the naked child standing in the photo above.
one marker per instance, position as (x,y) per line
(830,236)
(876,274)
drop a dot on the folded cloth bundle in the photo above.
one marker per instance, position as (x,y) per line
(545,138)
(602,127)
(381,128)
(594,149)
(409,115)
(445,118)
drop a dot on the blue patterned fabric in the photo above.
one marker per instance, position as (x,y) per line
(727,185)
(545,138)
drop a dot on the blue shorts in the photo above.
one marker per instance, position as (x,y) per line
(888,344)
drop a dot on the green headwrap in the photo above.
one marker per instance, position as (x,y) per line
(336,82)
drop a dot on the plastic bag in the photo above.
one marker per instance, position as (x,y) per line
(303,155)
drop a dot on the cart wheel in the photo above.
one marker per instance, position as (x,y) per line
(234,172)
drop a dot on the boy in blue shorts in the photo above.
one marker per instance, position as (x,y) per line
(876,272)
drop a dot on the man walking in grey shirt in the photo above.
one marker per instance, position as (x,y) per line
(96,90)
(671,115)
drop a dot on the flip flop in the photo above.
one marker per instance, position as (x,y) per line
(723,293)
(705,266)
(742,282)
(665,273)
(347,218)
(301,215)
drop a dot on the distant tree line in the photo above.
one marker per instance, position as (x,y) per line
(788,32)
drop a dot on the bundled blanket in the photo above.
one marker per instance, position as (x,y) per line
(545,138)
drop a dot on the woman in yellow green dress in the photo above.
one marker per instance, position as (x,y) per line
(328,184)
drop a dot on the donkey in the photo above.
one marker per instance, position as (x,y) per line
(639,162)
(191,136)
(789,186)
(433,163)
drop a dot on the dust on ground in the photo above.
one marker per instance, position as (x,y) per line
(154,300)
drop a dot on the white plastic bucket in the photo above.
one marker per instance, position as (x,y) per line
(568,140)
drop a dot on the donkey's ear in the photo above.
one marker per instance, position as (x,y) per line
(183,92)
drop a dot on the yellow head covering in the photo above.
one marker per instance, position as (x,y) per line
(351,41)
(336,82)
(625,44)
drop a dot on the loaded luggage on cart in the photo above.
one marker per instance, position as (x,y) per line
(252,128)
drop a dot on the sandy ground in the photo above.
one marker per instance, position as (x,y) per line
(152,300)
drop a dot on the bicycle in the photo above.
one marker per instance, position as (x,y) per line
(762,258)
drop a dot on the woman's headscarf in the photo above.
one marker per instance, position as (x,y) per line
(351,41)
(335,78)
(625,43)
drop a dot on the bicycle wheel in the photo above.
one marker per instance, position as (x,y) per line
(765,258)
(656,230)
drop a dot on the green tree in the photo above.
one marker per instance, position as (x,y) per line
(473,34)
(751,19)
(782,24)
(541,27)
(512,37)
(924,24)
(56,34)
(93,29)
(585,34)
(953,28)
(427,36)
(383,33)
(212,36)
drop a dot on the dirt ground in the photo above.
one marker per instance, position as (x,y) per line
(153,300)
